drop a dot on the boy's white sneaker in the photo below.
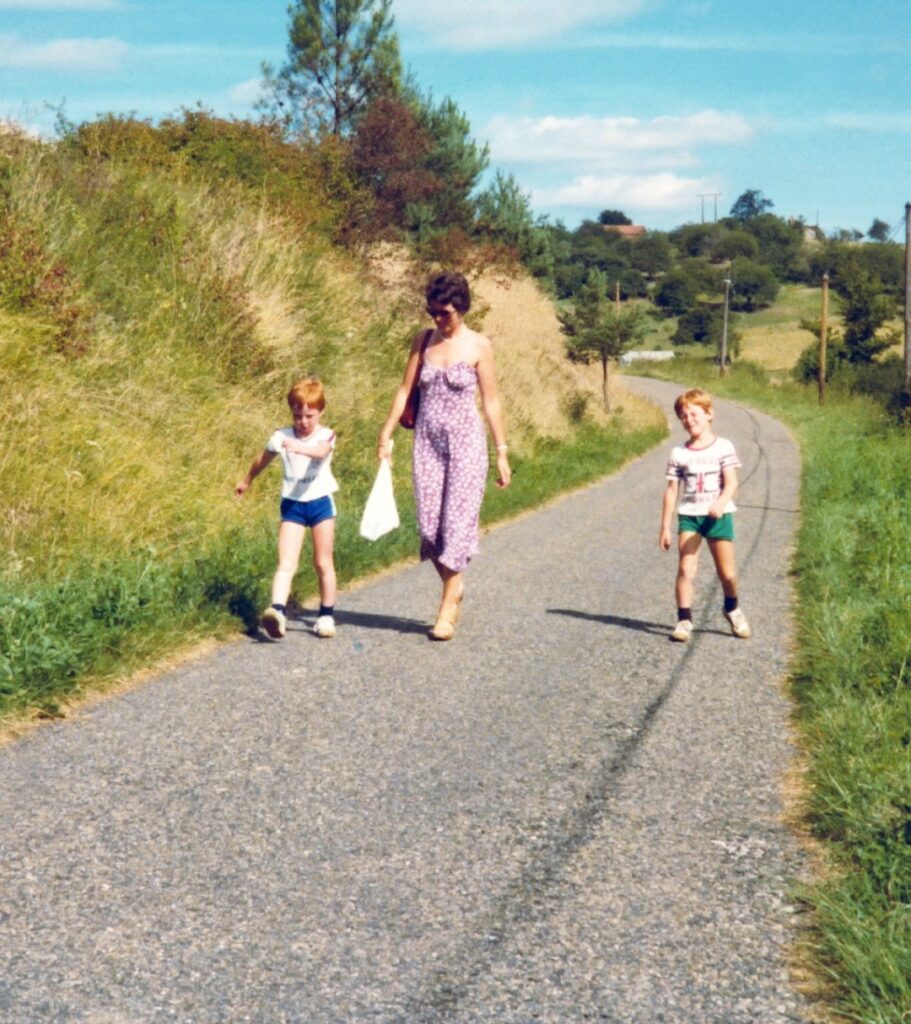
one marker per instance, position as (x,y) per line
(324,626)
(682,631)
(738,623)
(273,622)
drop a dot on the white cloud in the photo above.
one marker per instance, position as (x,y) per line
(870,122)
(615,162)
(69,54)
(612,140)
(60,5)
(648,192)
(247,92)
(510,24)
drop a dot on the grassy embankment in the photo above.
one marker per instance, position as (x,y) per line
(851,678)
(150,323)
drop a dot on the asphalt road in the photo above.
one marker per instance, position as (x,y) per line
(560,816)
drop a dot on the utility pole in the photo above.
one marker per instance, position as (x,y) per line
(703,196)
(823,338)
(724,329)
(907,296)
(617,297)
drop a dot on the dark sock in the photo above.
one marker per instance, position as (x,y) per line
(684,613)
(279,608)
(730,603)
(326,609)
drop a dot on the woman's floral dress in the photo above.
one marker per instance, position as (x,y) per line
(450,464)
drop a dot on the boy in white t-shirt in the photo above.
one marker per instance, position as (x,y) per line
(307,488)
(707,466)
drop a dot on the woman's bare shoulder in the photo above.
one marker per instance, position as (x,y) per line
(418,340)
(481,342)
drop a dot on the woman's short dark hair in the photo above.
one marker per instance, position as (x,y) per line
(449,288)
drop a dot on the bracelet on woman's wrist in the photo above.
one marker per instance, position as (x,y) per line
(502,447)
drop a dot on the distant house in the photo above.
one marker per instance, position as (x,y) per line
(626,230)
(811,233)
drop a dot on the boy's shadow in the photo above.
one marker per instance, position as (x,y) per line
(655,628)
(370,620)
(301,621)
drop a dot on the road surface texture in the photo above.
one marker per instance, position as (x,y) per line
(559,816)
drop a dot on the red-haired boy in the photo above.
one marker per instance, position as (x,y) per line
(707,467)
(307,488)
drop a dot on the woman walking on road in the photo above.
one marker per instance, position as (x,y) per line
(447,364)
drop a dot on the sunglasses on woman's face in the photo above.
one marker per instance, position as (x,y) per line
(440,314)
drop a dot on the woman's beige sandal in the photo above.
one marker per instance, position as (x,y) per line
(443,629)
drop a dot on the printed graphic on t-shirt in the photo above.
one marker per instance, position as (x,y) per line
(701,472)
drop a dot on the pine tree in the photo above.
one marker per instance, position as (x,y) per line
(341,54)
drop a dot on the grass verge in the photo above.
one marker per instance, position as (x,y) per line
(96,622)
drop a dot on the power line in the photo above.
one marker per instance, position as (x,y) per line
(703,197)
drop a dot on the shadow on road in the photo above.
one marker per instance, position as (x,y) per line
(370,620)
(655,628)
(659,628)
(302,622)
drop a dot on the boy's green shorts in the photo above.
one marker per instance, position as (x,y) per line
(705,526)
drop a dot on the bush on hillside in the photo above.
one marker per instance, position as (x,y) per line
(676,294)
(754,286)
(701,325)
(312,185)
(33,277)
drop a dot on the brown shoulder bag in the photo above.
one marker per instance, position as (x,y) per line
(410,412)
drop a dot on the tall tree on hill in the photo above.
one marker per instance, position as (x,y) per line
(341,54)
(613,217)
(596,331)
(388,152)
(750,204)
(878,230)
(456,160)
(865,309)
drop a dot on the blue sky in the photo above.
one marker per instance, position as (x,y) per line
(637,105)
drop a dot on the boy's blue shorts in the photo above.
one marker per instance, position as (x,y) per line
(308,513)
(705,526)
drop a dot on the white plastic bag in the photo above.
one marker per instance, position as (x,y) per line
(380,514)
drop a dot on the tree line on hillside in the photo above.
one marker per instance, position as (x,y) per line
(420,169)
(347,143)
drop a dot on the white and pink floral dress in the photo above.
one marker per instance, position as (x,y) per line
(450,464)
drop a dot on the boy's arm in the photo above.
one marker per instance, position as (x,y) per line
(312,451)
(668,504)
(728,490)
(259,464)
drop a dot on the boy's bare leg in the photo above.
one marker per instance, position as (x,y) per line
(725,566)
(688,546)
(290,542)
(324,560)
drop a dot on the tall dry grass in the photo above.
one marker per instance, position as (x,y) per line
(145,351)
(543,392)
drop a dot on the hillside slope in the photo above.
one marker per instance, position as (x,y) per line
(150,324)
